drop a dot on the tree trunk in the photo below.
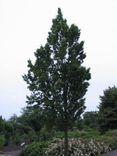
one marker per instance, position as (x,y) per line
(66,142)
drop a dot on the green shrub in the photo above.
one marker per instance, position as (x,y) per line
(88,134)
(85,134)
(77,147)
(35,149)
(45,135)
(56,148)
(112,141)
(2,140)
(112,133)
(111,137)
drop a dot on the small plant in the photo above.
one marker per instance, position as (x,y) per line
(35,149)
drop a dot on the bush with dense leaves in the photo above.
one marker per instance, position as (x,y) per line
(35,149)
(2,140)
(108,110)
(77,147)
(111,137)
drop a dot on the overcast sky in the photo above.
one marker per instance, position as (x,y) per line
(24,26)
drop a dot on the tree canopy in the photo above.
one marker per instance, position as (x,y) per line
(108,109)
(90,119)
(57,79)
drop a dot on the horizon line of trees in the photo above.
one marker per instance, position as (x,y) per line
(31,123)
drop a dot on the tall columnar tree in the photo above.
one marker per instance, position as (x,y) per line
(108,109)
(58,80)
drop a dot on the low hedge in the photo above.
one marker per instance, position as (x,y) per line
(77,147)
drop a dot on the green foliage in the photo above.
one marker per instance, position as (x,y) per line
(90,119)
(1,124)
(57,79)
(110,137)
(77,147)
(17,130)
(84,134)
(108,109)
(56,148)
(45,135)
(112,133)
(35,149)
(14,130)
(5,130)
(33,118)
(2,141)
(26,128)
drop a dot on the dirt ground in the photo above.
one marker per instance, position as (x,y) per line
(10,150)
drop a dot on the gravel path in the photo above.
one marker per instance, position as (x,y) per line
(16,153)
(14,150)
(12,153)
(112,153)
(10,150)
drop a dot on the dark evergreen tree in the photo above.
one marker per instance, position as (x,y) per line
(1,124)
(108,109)
(57,79)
